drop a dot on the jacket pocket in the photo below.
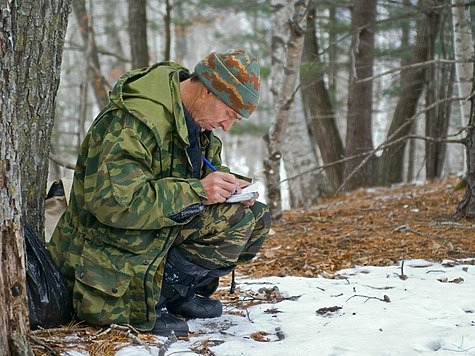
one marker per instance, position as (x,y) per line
(101,295)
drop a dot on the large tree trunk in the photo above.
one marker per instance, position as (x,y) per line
(411,91)
(359,170)
(318,107)
(281,12)
(31,42)
(138,33)
(306,184)
(286,95)
(466,208)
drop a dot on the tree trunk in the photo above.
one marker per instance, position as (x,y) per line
(466,208)
(167,19)
(274,138)
(463,51)
(98,82)
(31,42)
(359,170)
(138,33)
(115,39)
(302,182)
(438,118)
(319,113)
(411,91)
(181,28)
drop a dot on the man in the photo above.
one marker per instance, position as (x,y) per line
(147,232)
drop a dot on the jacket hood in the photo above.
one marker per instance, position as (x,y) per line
(152,91)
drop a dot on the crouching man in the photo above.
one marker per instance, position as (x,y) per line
(147,233)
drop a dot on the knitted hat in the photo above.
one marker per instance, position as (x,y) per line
(233,77)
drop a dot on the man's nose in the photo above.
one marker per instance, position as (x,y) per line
(227,124)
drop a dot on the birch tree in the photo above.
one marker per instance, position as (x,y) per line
(286,96)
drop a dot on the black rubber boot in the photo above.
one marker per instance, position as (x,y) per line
(196,306)
(180,282)
(165,323)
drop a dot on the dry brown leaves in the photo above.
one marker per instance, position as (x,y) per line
(88,339)
(377,226)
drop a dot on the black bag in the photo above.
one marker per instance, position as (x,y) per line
(49,296)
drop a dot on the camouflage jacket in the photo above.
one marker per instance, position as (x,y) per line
(132,175)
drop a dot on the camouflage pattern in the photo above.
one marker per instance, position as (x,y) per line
(233,77)
(132,175)
(224,235)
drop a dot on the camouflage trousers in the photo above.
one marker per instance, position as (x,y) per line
(224,235)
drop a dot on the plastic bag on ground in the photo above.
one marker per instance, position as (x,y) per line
(49,296)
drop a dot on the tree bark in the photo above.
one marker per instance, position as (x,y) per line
(167,19)
(411,91)
(463,52)
(438,118)
(138,33)
(466,208)
(286,96)
(319,113)
(360,96)
(31,43)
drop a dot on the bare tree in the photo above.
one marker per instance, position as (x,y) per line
(138,33)
(439,89)
(360,94)
(466,208)
(31,43)
(96,78)
(464,51)
(413,82)
(318,106)
(286,97)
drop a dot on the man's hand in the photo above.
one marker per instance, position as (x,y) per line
(243,184)
(219,186)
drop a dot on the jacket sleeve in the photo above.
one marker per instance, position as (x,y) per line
(124,192)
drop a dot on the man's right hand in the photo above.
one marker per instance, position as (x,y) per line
(219,186)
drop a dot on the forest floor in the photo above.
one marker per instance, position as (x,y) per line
(369,227)
(380,226)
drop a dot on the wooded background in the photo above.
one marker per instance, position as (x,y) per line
(374,91)
(354,94)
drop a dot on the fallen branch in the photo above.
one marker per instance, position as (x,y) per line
(384,299)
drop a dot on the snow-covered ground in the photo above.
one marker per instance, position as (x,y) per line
(368,311)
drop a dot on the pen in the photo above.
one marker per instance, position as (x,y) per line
(209,164)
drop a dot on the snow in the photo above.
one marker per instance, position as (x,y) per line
(430,309)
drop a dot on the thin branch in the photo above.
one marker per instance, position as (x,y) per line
(412,66)
(61,161)
(387,143)
(384,299)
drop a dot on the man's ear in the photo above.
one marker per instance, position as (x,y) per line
(205,92)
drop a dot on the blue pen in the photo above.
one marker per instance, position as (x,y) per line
(209,164)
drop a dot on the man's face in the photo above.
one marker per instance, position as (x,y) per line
(211,113)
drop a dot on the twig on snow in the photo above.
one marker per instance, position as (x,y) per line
(385,298)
